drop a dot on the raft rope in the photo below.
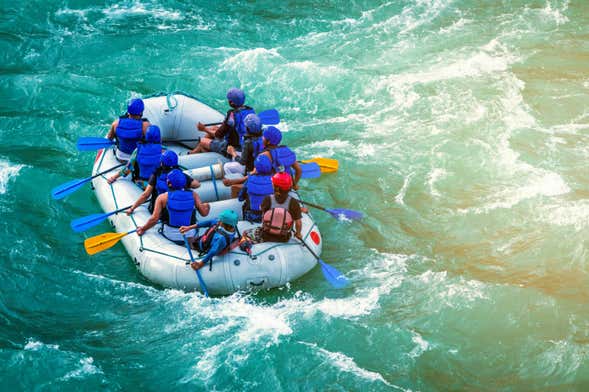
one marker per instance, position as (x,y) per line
(169,98)
(213,179)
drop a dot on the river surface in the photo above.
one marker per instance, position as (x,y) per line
(461,128)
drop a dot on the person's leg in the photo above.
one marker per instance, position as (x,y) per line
(203,146)
(234,168)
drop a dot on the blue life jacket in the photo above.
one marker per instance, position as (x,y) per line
(258,146)
(180,208)
(161,185)
(282,159)
(258,187)
(239,116)
(148,159)
(128,132)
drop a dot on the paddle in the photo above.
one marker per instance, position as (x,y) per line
(310,170)
(331,274)
(104,241)
(92,143)
(200,280)
(70,187)
(327,165)
(338,213)
(269,117)
(86,222)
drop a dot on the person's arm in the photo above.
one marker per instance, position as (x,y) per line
(160,204)
(217,245)
(265,206)
(246,154)
(295,210)
(203,208)
(112,131)
(146,125)
(297,177)
(141,199)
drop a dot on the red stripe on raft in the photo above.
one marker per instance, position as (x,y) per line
(315,237)
(98,155)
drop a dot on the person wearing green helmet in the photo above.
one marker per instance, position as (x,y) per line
(216,240)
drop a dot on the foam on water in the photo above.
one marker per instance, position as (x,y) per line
(8,171)
(345,363)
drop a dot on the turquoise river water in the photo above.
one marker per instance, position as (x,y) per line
(461,128)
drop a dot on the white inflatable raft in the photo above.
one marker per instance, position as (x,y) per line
(165,263)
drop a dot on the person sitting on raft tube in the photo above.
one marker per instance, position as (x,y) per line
(145,159)
(128,130)
(216,240)
(180,205)
(283,158)
(231,131)
(158,181)
(258,186)
(280,211)
(243,163)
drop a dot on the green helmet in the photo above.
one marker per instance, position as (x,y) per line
(229,217)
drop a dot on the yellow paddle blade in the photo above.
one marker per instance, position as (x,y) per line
(102,242)
(327,165)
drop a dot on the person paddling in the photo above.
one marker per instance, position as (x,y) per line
(283,158)
(158,181)
(145,159)
(179,205)
(231,132)
(258,186)
(280,211)
(128,130)
(216,240)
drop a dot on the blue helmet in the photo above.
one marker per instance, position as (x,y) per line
(229,217)
(136,107)
(152,135)
(169,159)
(236,96)
(253,124)
(273,135)
(177,179)
(263,165)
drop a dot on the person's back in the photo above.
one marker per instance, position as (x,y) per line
(281,211)
(180,206)
(259,185)
(128,130)
(148,154)
(283,158)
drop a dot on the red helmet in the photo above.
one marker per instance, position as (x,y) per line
(282,181)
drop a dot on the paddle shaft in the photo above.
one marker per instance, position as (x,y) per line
(310,250)
(200,280)
(108,170)
(313,205)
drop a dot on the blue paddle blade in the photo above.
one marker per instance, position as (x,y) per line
(343,214)
(269,117)
(68,188)
(333,276)
(310,170)
(86,222)
(93,143)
